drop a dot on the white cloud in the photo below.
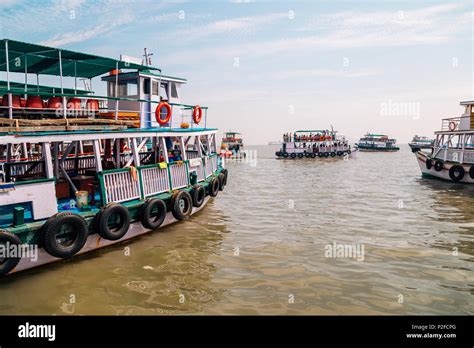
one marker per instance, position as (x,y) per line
(241,24)
(343,30)
(340,73)
(83,35)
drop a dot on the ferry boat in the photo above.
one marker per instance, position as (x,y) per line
(420,142)
(232,145)
(452,155)
(79,171)
(377,142)
(314,143)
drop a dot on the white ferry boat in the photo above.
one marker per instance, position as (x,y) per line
(420,142)
(79,171)
(313,144)
(452,156)
(377,142)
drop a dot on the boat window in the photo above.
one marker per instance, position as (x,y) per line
(125,88)
(174,91)
(146,86)
(164,90)
(155,88)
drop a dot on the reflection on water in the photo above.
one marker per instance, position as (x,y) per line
(259,248)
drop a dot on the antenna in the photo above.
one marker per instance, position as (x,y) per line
(147,60)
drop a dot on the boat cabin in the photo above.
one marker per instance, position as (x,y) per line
(141,85)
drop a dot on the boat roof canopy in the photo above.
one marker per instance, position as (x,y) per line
(471,102)
(376,135)
(44,60)
(20,88)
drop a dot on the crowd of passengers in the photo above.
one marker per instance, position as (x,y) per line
(310,137)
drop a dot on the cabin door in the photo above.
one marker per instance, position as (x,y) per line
(150,92)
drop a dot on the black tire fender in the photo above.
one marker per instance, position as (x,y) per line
(429,163)
(221,178)
(181,205)
(438,166)
(198,195)
(153,213)
(8,264)
(226,173)
(213,187)
(120,229)
(456,169)
(52,228)
(471,172)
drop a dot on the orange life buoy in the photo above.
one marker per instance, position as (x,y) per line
(158,113)
(452,126)
(321,138)
(197,114)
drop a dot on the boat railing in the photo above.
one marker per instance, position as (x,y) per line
(179,174)
(23,169)
(455,155)
(192,154)
(120,185)
(155,179)
(127,184)
(450,124)
(88,108)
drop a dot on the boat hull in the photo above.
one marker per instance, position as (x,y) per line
(94,242)
(444,173)
(353,154)
(378,149)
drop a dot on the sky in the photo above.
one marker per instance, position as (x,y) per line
(265,68)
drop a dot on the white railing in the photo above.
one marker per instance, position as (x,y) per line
(179,176)
(200,173)
(192,154)
(121,186)
(155,180)
(214,163)
(455,155)
(208,166)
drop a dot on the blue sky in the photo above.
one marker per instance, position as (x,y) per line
(269,67)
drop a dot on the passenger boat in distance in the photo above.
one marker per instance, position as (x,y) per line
(377,142)
(232,146)
(420,142)
(314,144)
(80,171)
(452,156)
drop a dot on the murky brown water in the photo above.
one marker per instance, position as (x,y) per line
(259,248)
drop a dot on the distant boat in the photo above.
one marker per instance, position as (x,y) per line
(314,144)
(377,142)
(232,146)
(419,142)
